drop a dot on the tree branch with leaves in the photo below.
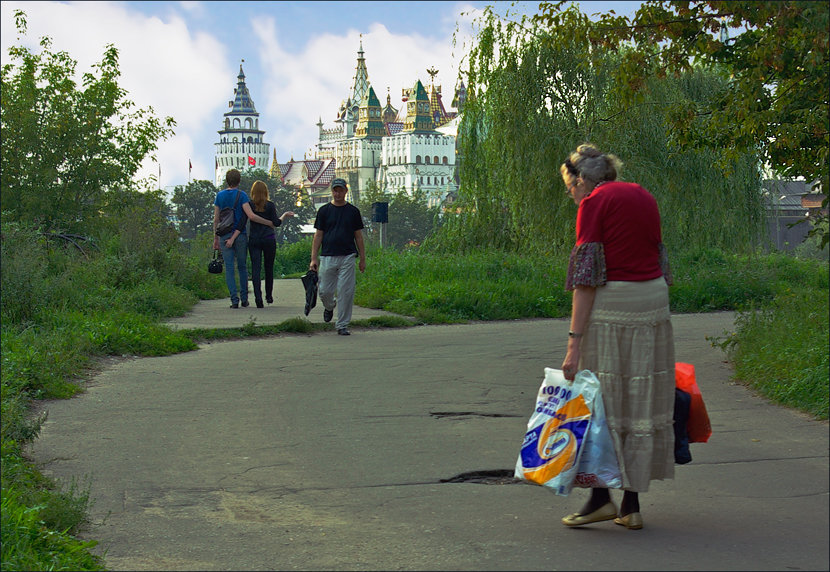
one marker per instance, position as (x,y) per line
(776,58)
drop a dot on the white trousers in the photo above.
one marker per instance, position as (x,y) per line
(336,286)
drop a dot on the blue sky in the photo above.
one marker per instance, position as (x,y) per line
(182,58)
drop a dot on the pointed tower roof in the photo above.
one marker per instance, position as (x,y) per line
(417,110)
(275,168)
(242,102)
(370,123)
(460,96)
(360,89)
(389,113)
(436,105)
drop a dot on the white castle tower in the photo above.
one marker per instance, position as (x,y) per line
(240,143)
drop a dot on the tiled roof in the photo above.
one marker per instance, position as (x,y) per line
(394,128)
(320,172)
(436,107)
(313,165)
(326,174)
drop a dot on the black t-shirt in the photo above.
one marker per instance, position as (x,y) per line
(338,225)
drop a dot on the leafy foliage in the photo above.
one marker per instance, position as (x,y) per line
(776,97)
(411,219)
(65,148)
(533,96)
(788,365)
(194,207)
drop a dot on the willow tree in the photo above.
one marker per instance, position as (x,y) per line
(534,94)
(776,53)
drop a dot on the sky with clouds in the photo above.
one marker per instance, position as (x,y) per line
(182,58)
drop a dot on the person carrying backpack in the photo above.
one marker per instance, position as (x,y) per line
(233,242)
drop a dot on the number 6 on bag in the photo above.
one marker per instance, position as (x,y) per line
(557,430)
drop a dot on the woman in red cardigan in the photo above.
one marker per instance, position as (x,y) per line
(621,327)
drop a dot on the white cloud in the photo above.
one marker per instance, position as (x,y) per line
(168,62)
(163,65)
(300,89)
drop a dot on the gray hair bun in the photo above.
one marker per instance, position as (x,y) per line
(594,165)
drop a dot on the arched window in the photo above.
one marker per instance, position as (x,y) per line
(436,159)
(248,123)
(445,160)
(236,124)
(427,159)
(418,159)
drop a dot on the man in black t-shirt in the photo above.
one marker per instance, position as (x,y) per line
(340,234)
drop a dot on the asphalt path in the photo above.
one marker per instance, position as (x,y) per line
(387,450)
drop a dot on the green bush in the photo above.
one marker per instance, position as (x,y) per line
(292,259)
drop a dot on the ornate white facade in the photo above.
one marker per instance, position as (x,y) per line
(396,150)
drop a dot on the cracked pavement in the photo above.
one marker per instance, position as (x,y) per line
(372,452)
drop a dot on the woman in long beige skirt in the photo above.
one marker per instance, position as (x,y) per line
(621,326)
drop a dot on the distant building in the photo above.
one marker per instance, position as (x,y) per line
(397,149)
(311,176)
(415,155)
(787,203)
(410,149)
(241,144)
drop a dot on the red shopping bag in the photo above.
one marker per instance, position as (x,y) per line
(698,428)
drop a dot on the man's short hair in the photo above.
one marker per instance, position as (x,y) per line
(232,178)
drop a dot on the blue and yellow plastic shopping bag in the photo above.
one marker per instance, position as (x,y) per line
(557,430)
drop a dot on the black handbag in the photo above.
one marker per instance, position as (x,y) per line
(215,265)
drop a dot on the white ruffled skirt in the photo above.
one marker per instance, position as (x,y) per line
(629,345)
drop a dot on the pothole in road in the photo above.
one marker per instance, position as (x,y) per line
(443,414)
(487,477)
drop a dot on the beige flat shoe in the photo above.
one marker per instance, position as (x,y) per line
(606,512)
(633,521)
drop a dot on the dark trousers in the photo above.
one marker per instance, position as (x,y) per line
(259,248)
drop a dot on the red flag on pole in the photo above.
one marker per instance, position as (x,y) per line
(189,165)
(251,160)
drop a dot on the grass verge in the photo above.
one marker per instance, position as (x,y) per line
(780,349)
